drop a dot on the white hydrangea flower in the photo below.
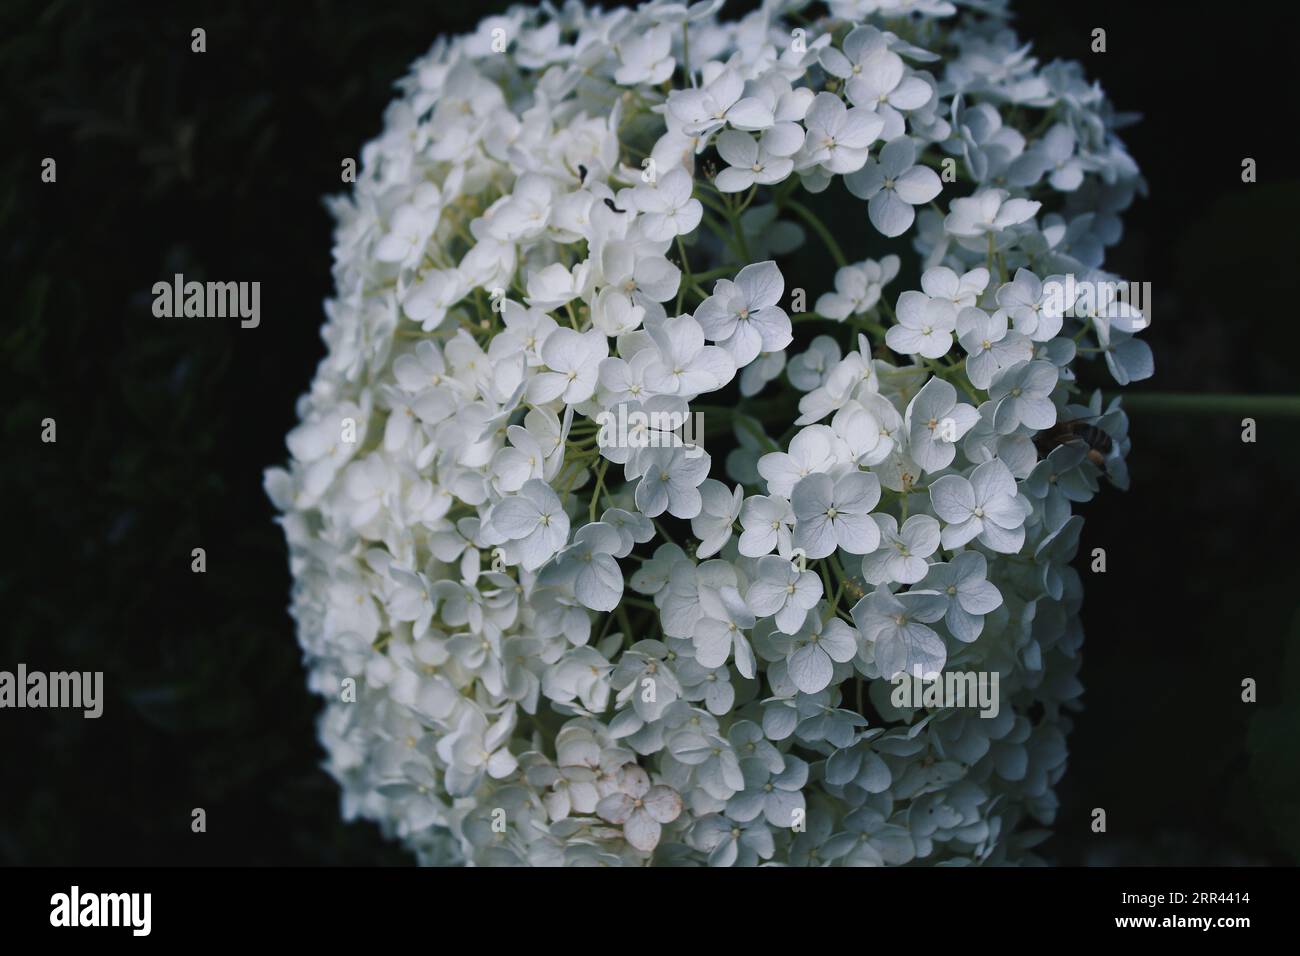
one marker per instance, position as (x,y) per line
(613,539)
(743,316)
(782,592)
(835,514)
(857,289)
(901,553)
(988,211)
(925,326)
(986,505)
(763,161)
(895,625)
(838,137)
(894,185)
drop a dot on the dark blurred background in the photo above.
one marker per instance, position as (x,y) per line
(214,165)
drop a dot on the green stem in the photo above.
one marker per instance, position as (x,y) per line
(1196,403)
(887,309)
(807,215)
(749,198)
(733,216)
(662,531)
(702,194)
(717,273)
(600,486)
(623,620)
(688,279)
(686,53)
(868,326)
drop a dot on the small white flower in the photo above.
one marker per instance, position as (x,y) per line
(808,370)
(1036,307)
(717,103)
(654,574)
(535,520)
(876,77)
(893,186)
(925,326)
(970,596)
(579,680)
(987,506)
(768,523)
(831,514)
(812,656)
(475,748)
(432,296)
(574,362)
(409,231)
(614,313)
(670,482)
(765,161)
(962,291)
(588,567)
(685,365)
(1023,396)
(896,625)
(525,212)
(989,210)
(1129,359)
(766,368)
(640,808)
(1054,156)
(633,529)
(553,286)
(857,288)
(902,552)
(646,57)
(639,270)
(522,460)
(719,510)
(935,422)
(668,206)
(743,316)
(783,592)
(867,440)
(721,632)
(813,449)
(989,346)
(838,138)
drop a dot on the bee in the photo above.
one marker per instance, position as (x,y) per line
(1082,430)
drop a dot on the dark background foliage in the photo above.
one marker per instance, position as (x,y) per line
(214,165)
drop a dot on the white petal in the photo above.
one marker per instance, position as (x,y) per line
(889,214)
(810,669)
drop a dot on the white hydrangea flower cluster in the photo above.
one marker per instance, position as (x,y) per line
(567,649)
